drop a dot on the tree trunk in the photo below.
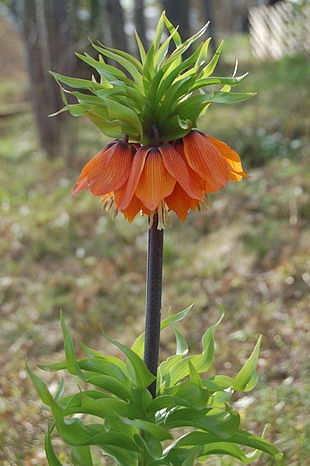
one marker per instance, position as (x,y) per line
(209,15)
(48,128)
(94,13)
(73,21)
(140,21)
(178,13)
(59,47)
(117,24)
(97,24)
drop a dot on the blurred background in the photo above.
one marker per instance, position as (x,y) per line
(250,251)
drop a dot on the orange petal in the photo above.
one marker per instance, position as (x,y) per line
(232,158)
(80,185)
(206,160)
(134,208)
(124,196)
(155,182)
(177,167)
(110,171)
(107,171)
(82,182)
(203,185)
(180,202)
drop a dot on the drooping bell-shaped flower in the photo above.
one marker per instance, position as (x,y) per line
(167,165)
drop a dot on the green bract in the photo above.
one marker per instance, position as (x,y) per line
(120,418)
(161,90)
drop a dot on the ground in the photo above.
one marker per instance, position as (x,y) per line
(249,252)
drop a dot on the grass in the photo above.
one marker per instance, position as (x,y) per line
(250,252)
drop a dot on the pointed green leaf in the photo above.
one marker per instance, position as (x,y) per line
(223,424)
(211,441)
(172,30)
(195,395)
(182,347)
(40,386)
(101,407)
(110,385)
(49,451)
(96,354)
(125,55)
(77,83)
(141,48)
(163,49)
(159,32)
(142,376)
(162,402)
(71,361)
(201,361)
(148,70)
(60,389)
(203,54)
(213,80)
(138,346)
(211,66)
(110,73)
(185,45)
(165,368)
(126,64)
(158,432)
(192,456)
(193,375)
(81,456)
(229,97)
(247,377)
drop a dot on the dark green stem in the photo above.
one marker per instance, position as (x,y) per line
(155,135)
(153,299)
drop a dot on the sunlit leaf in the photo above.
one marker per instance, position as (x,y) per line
(208,69)
(182,347)
(201,362)
(247,377)
(141,48)
(138,346)
(126,64)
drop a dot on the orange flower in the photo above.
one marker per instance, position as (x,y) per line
(171,176)
(108,170)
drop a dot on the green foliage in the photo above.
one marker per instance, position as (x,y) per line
(161,90)
(119,416)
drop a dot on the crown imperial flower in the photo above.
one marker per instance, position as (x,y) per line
(167,165)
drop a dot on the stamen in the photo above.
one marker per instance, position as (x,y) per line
(151,219)
(161,220)
(166,214)
(203,205)
(114,211)
(110,206)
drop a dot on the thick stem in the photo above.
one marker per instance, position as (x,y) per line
(153,299)
(155,135)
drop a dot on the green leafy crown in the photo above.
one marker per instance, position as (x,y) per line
(166,91)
